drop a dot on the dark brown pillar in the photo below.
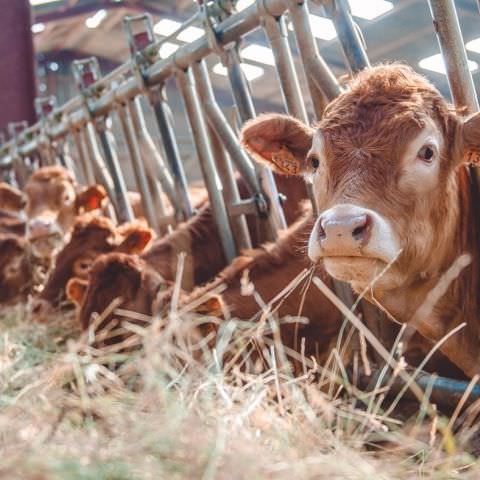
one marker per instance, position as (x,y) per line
(17,79)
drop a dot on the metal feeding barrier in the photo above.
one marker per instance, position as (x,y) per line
(84,122)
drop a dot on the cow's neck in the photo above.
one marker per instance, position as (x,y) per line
(459,302)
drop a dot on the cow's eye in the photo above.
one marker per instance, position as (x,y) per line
(426,153)
(314,161)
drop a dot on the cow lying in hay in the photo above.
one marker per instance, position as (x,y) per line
(259,284)
(91,236)
(198,238)
(387,162)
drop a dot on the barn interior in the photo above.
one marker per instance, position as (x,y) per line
(67,30)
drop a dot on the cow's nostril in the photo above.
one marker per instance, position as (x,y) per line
(362,231)
(322,235)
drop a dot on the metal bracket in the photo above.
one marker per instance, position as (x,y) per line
(141,41)
(86,73)
(44,106)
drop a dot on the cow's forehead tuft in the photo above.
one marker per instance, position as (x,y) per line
(52,173)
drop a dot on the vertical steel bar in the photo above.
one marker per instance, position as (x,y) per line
(198,126)
(137,164)
(158,204)
(229,138)
(222,161)
(277,34)
(167,133)
(120,198)
(348,34)
(322,84)
(449,35)
(152,158)
(86,165)
(246,109)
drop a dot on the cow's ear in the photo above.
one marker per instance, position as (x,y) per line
(11,199)
(279,141)
(470,139)
(76,290)
(212,306)
(91,198)
(135,240)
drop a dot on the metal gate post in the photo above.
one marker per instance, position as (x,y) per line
(102,175)
(152,158)
(322,84)
(164,121)
(86,165)
(449,35)
(244,103)
(222,161)
(229,138)
(277,34)
(348,34)
(120,199)
(137,164)
(198,127)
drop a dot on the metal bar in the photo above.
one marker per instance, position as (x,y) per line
(222,161)
(101,173)
(119,196)
(197,123)
(137,164)
(244,104)
(86,166)
(322,84)
(158,204)
(172,153)
(277,34)
(348,34)
(152,158)
(445,392)
(449,35)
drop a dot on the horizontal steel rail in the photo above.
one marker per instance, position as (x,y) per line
(72,114)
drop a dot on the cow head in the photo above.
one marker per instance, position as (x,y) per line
(91,237)
(113,276)
(15,268)
(53,200)
(384,164)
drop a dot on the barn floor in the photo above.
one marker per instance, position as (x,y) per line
(64,415)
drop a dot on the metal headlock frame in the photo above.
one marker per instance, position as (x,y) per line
(217,145)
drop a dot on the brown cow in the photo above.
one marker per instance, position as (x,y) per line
(53,200)
(15,268)
(140,283)
(91,236)
(387,165)
(12,203)
(255,277)
(198,238)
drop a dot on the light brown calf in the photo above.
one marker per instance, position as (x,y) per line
(387,162)
(91,236)
(53,200)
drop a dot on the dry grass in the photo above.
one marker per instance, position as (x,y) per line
(175,409)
